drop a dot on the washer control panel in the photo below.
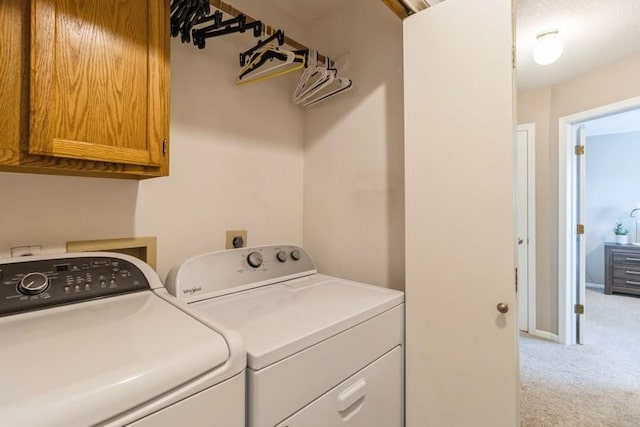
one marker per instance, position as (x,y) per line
(34,284)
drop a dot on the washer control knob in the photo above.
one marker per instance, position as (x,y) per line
(254,259)
(282,256)
(295,254)
(33,284)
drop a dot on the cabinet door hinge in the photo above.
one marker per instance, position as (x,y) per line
(579,150)
(516,280)
(578,309)
(164,146)
(580,229)
(513,57)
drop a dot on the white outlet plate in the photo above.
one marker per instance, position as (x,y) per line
(26,250)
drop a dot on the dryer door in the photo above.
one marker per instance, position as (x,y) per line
(371,397)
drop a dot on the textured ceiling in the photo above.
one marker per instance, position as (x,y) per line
(594,32)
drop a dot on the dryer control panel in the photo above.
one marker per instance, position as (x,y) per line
(32,284)
(219,273)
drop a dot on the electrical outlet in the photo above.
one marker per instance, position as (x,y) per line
(236,239)
(26,250)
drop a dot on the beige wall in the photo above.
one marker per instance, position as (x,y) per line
(544,107)
(236,162)
(354,185)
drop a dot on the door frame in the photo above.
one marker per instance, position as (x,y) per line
(567,285)
(530,128)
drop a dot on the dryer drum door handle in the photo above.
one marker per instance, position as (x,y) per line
(352,395)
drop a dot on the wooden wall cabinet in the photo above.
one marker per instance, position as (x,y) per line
(84,87)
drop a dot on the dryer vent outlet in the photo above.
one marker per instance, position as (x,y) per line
(236,239)
(26,250)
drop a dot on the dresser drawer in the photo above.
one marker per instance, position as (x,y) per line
(626,258)
(626,272)
(626,286)
(626,283)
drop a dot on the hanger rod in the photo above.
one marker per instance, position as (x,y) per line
(397,7)
(230,10)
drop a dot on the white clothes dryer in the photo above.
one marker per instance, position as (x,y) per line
(321,351)
(86,341)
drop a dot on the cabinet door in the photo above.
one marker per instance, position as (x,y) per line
(13,82)
(462,363)
(99,80)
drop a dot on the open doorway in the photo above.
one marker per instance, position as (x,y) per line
(574,246)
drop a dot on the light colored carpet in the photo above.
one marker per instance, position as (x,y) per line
(596,384)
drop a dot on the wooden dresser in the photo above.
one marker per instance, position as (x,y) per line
(621,268)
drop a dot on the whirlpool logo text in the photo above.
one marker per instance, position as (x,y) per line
(192,291)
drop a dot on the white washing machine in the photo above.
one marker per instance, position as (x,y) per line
(321,351)
(86,341)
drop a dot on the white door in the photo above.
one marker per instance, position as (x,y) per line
(462,361)
(581,244)
(522,227)
(525,244)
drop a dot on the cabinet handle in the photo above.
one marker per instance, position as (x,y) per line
(632,259)
(629,282)
(632,272)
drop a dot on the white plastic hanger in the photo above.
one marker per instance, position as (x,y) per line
(310,78)
(269,63)
(318,80)
(339,85)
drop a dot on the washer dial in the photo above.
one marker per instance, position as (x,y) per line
(254,259)
(295,255)
(33,284)
(282,256)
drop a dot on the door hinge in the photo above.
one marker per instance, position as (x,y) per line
(516,280)
(513,57)
(164,146)
(580,229)
(579,150)
(578,309)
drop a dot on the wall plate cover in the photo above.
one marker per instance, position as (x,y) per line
(236,239)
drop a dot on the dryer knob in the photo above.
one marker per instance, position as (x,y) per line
(33,284)
(254,259)
(282,256)
(295,255)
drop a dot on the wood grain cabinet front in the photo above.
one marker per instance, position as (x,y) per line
(622,269)
(89,82)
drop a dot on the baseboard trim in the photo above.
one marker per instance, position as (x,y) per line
(546,335)
(594,285)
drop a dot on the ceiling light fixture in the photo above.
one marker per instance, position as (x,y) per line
(548,47)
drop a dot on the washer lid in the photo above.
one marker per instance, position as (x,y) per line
(82,364)
(279,320)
